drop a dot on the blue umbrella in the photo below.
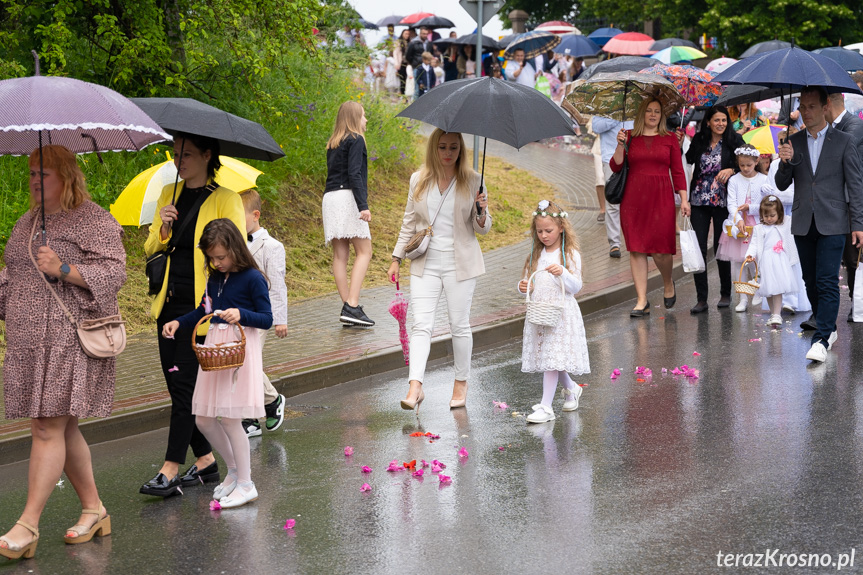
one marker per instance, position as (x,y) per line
(533,43)
(850,60)
(577,46)
(603,35)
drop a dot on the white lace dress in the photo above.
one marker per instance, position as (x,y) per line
(563,347)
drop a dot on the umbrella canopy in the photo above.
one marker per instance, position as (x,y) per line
(391,21)
(533,43)
(136,204)
(399,310)
(411,19)
(668,42)
(850,60)
(629,43)
(577,46)
(434,22)
(745,94)
(720,64)
(470,40)
(558,27)
(492,108)
(694,84)
(674,54)
(763,47)
(81,116)
(506,40)
(619,64)
(367,25)
(619,94)
(765,138)
(790,69)
(237,136)
(858,47)
(603,35)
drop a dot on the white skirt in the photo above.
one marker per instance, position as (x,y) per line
(342,218)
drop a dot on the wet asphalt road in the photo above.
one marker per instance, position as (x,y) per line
(762,452)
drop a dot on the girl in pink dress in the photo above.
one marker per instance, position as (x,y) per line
(237,293)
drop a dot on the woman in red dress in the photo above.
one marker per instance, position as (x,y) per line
(647,212)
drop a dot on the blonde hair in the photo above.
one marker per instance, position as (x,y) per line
(64,162)
(638,124)
(348,122)
(568,240)
(251,200)
(432,170)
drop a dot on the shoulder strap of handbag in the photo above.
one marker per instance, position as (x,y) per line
(202,197)
(42,275)
(440,205)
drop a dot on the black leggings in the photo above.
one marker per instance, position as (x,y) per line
(701,218)
(178,353)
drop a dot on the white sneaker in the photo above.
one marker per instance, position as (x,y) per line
(817,352)
(756,300)
(832,339)
(775,320)
(743,304)
(570,397)
(241,495)
(541,414)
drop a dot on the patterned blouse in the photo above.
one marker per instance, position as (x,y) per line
(707,191)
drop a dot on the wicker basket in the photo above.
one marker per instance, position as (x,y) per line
(223,355)
(544,313)
(747,288)
(733,231)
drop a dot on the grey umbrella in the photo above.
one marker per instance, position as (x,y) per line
(491,108)
(762,47)
(619,64)
(668,42)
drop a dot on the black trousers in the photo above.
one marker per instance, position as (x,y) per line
(178,353)
(701,218)
(850,255)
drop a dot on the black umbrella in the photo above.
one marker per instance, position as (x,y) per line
(745,94)
(367,25)
(669,42)
(619,64)
(470,40)
(505,41)
(762,47)
(433,22)
(391,21)
(491,108)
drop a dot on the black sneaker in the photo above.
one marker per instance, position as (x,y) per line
(252,427)
(275,413)
(355,315)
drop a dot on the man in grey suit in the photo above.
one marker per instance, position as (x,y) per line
(853,126)
(828,204)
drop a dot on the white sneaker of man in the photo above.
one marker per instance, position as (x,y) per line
(541,414)
(817,352)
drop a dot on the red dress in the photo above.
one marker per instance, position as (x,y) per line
(647,211)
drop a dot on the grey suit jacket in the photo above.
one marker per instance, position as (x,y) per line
(269,254)
(833,196)
(852,125)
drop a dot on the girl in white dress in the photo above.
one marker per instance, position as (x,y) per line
(773,248)
(560,350)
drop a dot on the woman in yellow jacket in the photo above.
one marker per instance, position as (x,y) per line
(197,160)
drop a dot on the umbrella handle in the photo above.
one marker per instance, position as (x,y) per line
(397,286)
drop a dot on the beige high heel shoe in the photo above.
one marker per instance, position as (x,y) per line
(457,403)
(407,404)
(13,551)
(83,534)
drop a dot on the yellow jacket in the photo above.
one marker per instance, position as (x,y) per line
(222,203)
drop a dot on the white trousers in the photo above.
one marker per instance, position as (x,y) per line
(612,214)
(439,276)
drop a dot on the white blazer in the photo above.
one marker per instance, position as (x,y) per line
(269,254)
(757,247)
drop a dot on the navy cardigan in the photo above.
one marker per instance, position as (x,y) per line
(246,290)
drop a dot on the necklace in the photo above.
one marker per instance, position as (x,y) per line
(443,191)
(222,286)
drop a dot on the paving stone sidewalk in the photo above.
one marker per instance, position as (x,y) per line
(316,338)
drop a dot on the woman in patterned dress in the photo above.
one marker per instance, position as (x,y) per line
(47,377)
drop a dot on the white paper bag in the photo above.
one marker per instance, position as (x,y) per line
(693,261)
(858,294)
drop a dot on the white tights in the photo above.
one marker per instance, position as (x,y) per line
(229,438)
(550,380)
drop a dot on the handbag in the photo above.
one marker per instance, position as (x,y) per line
(419,242)
(157,263)
(100,338)
(617,182)
(693,261)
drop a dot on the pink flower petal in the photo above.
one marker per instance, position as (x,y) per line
(424,463)
(366,487)
(695,353)
(463,452)
(289,524)
(664,370)
(444,479)
(438,463)
(366,469)
(501,448)
(349,451)
(175,368)
(215,505)
(418,473)
(436,468)
(500,404)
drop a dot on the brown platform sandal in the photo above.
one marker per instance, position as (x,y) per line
(101,528)
(13,551)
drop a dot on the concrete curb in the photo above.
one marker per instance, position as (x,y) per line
(123,425)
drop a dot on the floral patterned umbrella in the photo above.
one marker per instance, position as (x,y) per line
(694,84)
(617,95)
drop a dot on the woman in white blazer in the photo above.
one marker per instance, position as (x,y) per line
(453,259)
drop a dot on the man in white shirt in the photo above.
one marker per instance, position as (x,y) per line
(523,71)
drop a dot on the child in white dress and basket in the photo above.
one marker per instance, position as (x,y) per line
(742,199)
(236,293)
(561,349)
(773,249)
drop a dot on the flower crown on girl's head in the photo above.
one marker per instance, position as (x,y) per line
(542,210)
(747,151)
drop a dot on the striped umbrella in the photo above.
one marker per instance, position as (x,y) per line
(631,43)
(558,27)
(533,43)
(674,54)
(765,138)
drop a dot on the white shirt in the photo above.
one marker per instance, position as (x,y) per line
(815,144)
(526,77)
(256,235)
(443,230)
(838,118)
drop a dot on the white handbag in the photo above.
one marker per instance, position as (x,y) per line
(419,242)
(693,261)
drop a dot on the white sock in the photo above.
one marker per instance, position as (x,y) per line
(549,386)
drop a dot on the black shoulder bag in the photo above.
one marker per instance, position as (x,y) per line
(617,182)
(158,262)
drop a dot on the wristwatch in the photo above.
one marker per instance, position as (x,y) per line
(64,271)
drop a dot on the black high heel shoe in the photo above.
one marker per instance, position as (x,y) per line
(641,312)
(670,301)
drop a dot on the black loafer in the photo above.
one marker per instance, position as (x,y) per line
(809,324)
(641,312)
(699,307)
(670,301)
(614,252)
(724,301)
(161,486)
(207,475)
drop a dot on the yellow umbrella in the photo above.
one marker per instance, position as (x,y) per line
(136,205)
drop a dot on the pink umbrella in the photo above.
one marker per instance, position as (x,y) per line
(630,43)
(399,310)
(720,64)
